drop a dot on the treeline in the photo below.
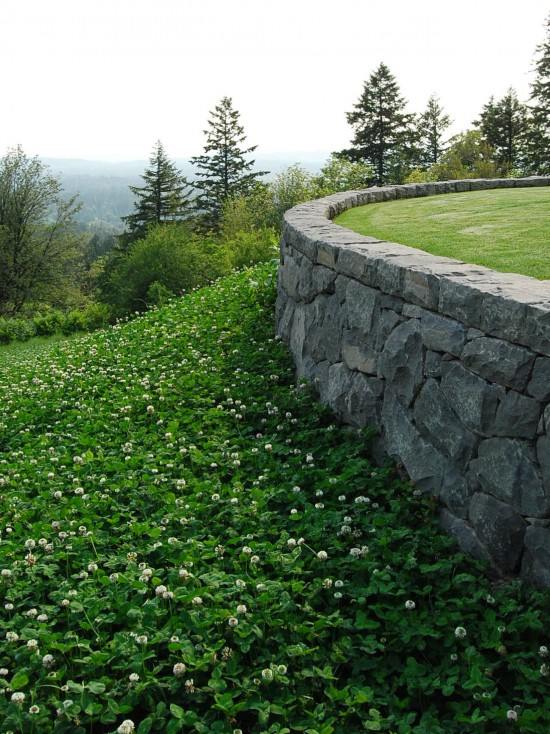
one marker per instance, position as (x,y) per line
(182,234)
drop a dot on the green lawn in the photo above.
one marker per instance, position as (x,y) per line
(15,350)
(189,543)
(504,229)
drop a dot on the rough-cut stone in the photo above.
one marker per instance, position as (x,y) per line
(499,361)
(439,425)
(432,364)
(425,466)
(499,529)
(401,361)
(539,384)
(543,456)
(357,354)
(354,396)
(535,567)
(361,306)
(387,322)
(442,334)
(517,416)
(474,400)
(507,469)
(465,536)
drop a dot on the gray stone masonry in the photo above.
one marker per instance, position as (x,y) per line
(450,362)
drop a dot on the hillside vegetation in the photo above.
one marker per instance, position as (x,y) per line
(189,544)
(502,229)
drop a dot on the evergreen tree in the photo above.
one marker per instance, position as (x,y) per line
(383,133)
(223,170)
(431,127)
(538,141)
(503,124)
(164,197)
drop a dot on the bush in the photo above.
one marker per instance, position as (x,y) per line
(16,330)
(172,256)
(250,248)
(48,322)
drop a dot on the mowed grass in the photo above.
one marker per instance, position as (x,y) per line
(190,543)
(504,229)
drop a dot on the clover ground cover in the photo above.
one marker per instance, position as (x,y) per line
(502,229)
(189,544)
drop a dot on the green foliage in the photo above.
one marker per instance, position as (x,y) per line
(171,255)
(186,492)
(383,131)
(39,248)
(468,156)
(341,174)
(223,170)
(431,127)
(164,197)
(503,125)
(538,140)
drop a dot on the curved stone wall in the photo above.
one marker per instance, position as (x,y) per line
(449,361)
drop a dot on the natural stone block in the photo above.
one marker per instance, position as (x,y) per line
(507,469)
(387,322)
(535,567)
(442,334)
(423,463)
(439,425)
(517,416)
(539,384)
(465,536)
(357,354)
(474,400)
(401,361)
(361,306)
(499,529)
(432,364)
(499,361)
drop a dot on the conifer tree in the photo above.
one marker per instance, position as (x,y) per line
(431,127)
(503,124)
(538,142)
(383,134)
(223,170)
(164,197)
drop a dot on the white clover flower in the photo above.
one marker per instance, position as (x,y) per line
(460,633)
(11,636)
(254,559)
(160,590)
(267,674)
(410,604)
(127,727)
(215,497)
(150,409)
(133,677)
(544,669)
(322,555)
(4,672)
(141,639)
(92,567)
(179,669)
(247,550)
(291,542)
(543,651)
(268,447)
(18,697)
(196,601)
(512,715)
(30,544)
(233,621)
(240,584)
(282,669)
(34,709)
(242,609)
(32,644)
(6,573)
(48,661)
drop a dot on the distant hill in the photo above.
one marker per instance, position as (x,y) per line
(103,185)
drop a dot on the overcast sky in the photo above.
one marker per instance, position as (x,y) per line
(103,79)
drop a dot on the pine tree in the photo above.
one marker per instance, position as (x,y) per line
(431,127)
(503,124)
(538,141)
(164,197)
(383,134)
(223,170)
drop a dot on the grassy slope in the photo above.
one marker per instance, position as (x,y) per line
(96,490)
(504,229)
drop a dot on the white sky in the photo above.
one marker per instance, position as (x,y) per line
(104,79)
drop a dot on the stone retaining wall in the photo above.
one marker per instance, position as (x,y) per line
(449,361)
